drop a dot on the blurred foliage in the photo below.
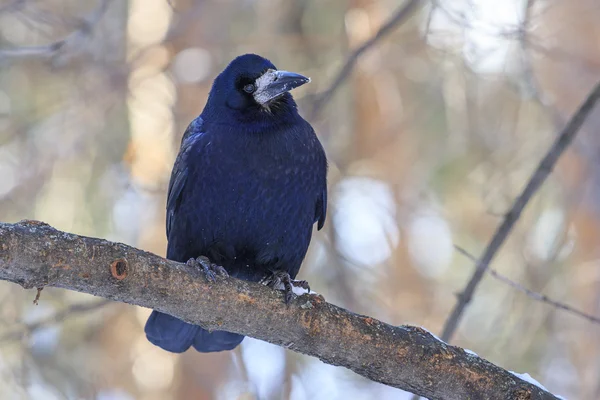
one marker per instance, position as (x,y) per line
(430,139)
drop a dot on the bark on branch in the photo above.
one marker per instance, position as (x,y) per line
(34,255)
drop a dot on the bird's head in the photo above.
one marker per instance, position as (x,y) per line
(252,86)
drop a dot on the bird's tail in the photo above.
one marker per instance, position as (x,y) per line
(176,336)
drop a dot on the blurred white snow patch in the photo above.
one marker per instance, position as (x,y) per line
(133,209)
(8,168)
(192,65)
(142,314)
(41,391)
(153,368)
(366,390)
(297,391)
(148,22)
(365,219)
(265,365)
(320,381)
(482,30)
(547,234)
(317,257)
(126,214)
(384,392)
(527,378)
(113,394)
(430,243)
(562,373)
(236,389)
(45,339)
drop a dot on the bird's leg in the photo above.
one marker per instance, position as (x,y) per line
(281,278)
(288,290)
(209,269)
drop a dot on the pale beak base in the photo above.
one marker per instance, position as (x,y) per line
(273,84)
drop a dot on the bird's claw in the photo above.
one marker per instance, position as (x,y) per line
(210,270)
(281,278)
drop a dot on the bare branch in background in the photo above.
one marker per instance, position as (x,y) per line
(72,310)
(530,293)
(34,254)
(399,17)
(544,169)
(51,49)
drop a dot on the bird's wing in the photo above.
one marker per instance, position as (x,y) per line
(180,169)
(321,208)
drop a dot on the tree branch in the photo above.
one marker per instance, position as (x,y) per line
(542,171)
(60,316)
(51,49)
(531,293)
(33,254)
(400,16)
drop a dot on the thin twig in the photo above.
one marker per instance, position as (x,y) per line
(397,18)
(60,316)
(53,48)
(38,295)
(544,169)
(530,293)
(529,78)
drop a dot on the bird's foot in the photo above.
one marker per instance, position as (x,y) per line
(279,279)
(210,270)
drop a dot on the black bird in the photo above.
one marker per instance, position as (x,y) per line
(246,188)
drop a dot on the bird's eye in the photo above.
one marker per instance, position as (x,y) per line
(249,88)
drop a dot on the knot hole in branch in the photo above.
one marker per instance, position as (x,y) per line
(118,269)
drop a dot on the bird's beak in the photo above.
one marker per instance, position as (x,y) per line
(273,84)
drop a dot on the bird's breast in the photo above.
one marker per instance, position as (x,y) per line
(255,191)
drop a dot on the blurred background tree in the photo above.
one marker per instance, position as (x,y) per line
(430,139)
